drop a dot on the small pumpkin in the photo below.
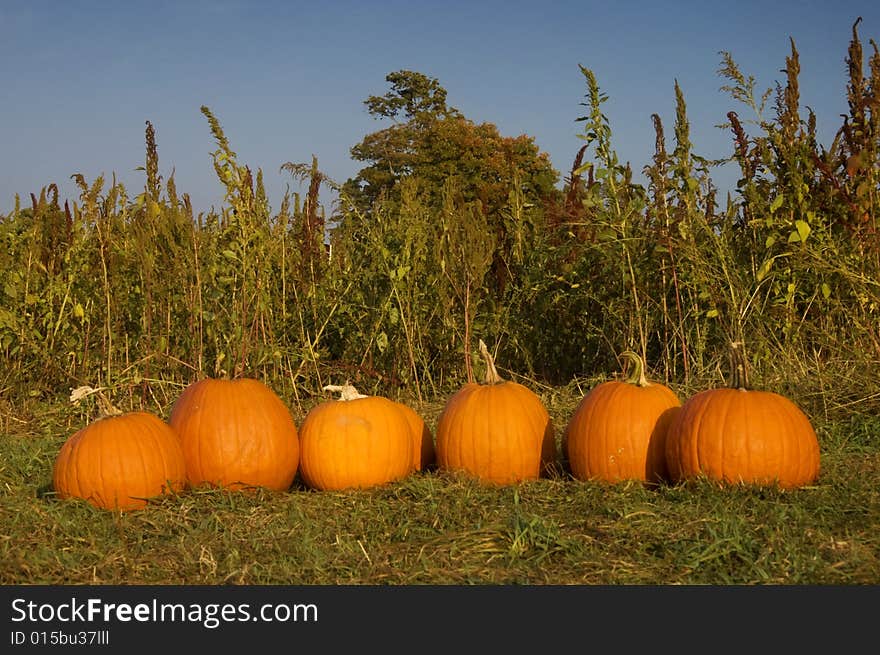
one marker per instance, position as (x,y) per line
(618,430)
(355,441)
(120,461)
(236,434)
(740,435)
(499,431)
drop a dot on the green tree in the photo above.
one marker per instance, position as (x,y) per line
(433,142)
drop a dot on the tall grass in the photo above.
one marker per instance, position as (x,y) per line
(141,294)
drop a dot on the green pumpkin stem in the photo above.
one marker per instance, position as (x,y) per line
(492,376)
(345,391)
(637,375)
(739,371)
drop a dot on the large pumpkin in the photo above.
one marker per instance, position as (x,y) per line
(618,431)
(498,432)
(739,435)
(236,434)
(356,441)
(119,462)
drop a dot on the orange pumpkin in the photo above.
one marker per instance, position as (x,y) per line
(236,434)
(737,435)
(119,462)
(618,431)
(424,454)
(498,432)
(356,441)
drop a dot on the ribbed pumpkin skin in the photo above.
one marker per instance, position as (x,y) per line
(120,461)
(236,434)
(424,454)
(357,443)
(500,433)
(618,432)
(740,436)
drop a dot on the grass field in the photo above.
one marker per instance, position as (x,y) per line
(439,528)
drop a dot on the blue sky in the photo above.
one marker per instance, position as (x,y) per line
(288,79)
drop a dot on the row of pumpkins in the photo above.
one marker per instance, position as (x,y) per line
(239,434)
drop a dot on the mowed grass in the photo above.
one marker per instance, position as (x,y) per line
(441,528)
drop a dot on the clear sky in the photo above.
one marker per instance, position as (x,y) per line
(287,79)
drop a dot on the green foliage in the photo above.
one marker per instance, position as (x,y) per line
(435,201)
(412,94)
(436,143)
(452,232)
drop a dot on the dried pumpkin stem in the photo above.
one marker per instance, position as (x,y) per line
(492,376)
(345,391)
(105,407)
(739,372)
(637,375)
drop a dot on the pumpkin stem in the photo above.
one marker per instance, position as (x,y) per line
(105,407)
(345,391)
(637,375)
(492,376)
(739,373)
